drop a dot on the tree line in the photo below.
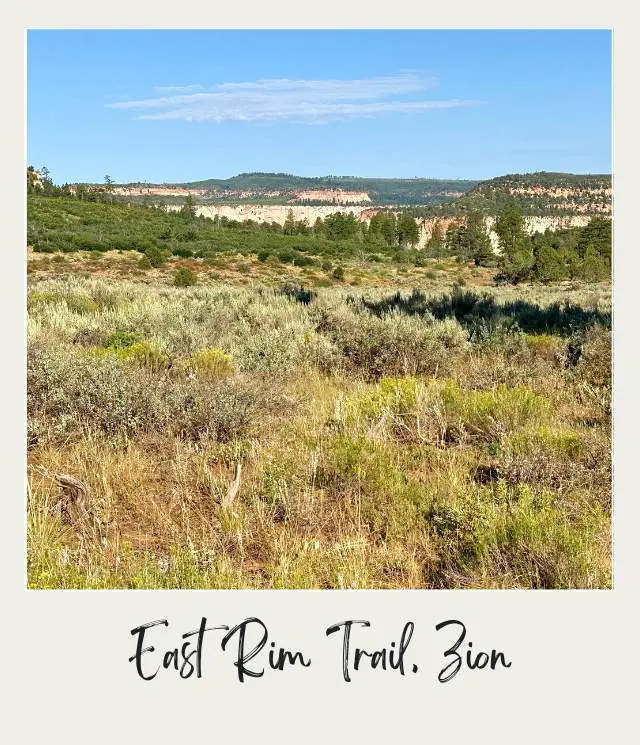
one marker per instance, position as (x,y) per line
(555,255)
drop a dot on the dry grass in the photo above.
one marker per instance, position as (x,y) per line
(316,446)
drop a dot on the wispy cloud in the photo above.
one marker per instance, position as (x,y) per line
(309,101)
(178,88)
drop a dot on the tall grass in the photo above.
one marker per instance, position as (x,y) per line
(248,437)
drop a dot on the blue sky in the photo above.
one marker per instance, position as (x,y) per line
(171,106)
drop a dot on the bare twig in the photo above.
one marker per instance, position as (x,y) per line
(232,490)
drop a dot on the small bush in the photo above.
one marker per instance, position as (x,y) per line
(394,396)
(80,303)
(212,362)
(488,415)
(156,256)
(184,277)
(122,339)
(594,366)
(143,353)
(298,292)
(70,393)
(546,346)
(518,537)
(392,345)
(338,273)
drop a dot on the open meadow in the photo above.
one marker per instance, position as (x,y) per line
(280,426)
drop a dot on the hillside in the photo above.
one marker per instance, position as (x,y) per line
(535,194)
(281,188)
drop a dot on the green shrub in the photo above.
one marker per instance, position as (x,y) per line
(546,346)
(212,362)
(488,415)
(338,273)
(122,339)
(156,256)
(515,536)
(395,396)
(184,277)
(594,365)
(391,345)
(143,353)
(35,299)
(80,303)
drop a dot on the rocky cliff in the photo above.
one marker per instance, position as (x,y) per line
(532,225)
(278,213)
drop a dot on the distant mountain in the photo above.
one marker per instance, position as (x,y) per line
(283,188)
(535,194)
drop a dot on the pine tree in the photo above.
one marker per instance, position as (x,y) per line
(382,229)
(478,241)
(189,208)
(597,235)
(289,227)
(408,231)
(453,239)
(516,258)
(549,264)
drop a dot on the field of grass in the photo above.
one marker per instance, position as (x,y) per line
(248,433)
(247,270)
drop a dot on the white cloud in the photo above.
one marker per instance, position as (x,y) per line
(177,88)
(308,101)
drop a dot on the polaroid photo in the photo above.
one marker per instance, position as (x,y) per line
(318,381)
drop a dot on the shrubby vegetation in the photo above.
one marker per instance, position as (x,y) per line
(70,224)
(253,437)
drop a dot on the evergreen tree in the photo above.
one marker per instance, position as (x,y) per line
(289,227)
(408,230)
(478,241)
(597,235)
(452,239)
(549,264)
(593,266)
(188,210)
(341,226)
(382,229)
(516,257)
